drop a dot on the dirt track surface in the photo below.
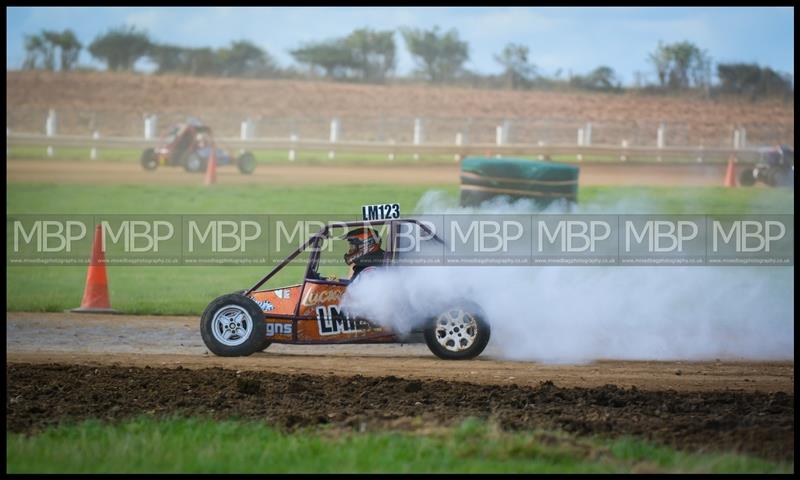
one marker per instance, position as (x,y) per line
(62,366)
(751,422)
(129,173)
(158,341)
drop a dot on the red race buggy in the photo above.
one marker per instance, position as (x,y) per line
(189,145)
(240,324)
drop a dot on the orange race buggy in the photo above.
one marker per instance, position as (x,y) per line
(242,323)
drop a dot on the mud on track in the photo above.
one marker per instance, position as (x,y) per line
(46,394)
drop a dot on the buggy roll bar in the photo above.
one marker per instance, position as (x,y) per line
(323,233)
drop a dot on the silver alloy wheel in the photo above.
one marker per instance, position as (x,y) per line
(232,325)
(456,330)
(193,162)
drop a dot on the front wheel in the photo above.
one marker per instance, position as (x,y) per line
(195,163)
(459,332)
(233,326)
(246,163)
(149,160)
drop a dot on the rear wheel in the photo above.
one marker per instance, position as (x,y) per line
(784,178)
(246,163)
(746,178)
(149,160)
(233,326)
(459,332)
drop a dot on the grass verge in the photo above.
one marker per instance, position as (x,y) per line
(188,289)
(311,157)
(178,445)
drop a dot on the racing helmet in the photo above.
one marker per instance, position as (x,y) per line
(362,241)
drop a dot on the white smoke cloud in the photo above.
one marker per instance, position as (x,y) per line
(579,314)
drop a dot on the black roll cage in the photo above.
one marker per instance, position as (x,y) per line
(315,242)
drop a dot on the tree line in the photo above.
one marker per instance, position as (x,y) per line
(369,56)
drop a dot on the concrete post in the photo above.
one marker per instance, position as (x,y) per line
(150,126)
(51,127)
(580,143)
(418,135)
(334,137)
(660,139)
(93,153)
(459,143)
(736,139)
(247,130)
(624,156)
(588,135)
(292,153)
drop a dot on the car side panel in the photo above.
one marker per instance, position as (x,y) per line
(320,319)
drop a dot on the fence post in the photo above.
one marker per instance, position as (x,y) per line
(736,139)
(93,153)
(624,156)
(588,135)
(459,142)
(334,137)
(418,135)
(743,138)
(150,126)
(660,139)
(246,131)
(51,126)
(580,143)
(292,154)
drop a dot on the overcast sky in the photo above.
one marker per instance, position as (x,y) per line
(572,39)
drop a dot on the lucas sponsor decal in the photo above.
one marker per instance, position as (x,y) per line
(278,329)
(332,321)
(323,296)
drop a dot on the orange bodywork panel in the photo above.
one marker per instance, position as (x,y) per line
(310,313)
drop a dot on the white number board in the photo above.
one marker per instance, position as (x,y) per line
(382,211)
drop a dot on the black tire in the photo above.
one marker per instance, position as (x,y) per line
(266,343)
(194,163)
(246,163)
(450,323)
(746,178)
(238,317)
(149,160)
(784,178)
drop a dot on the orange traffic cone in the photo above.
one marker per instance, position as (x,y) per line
(730,174)
(95,294)
(211,171)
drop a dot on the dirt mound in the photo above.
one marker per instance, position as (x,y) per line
(753,422)
(115,103)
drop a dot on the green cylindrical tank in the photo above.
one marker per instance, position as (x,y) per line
(483,178)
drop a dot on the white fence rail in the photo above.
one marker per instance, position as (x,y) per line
(620,152)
